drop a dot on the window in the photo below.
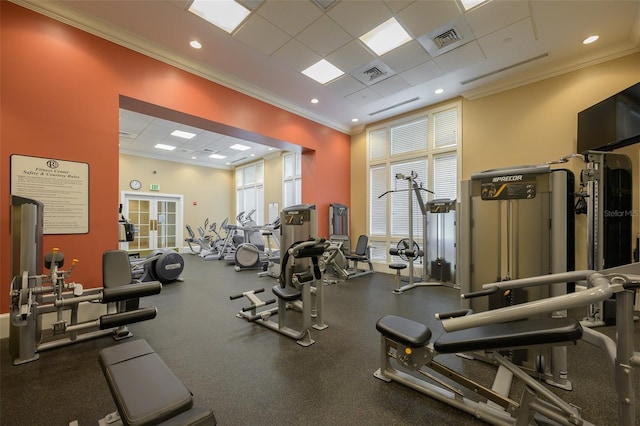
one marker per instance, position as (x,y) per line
(250,190)
(425,146)
(292,179)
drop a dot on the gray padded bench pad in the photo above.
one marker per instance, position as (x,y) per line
(145,390)
(488,337)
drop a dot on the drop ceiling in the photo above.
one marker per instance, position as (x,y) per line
(498,45)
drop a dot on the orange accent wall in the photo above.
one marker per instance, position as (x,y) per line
(60,97)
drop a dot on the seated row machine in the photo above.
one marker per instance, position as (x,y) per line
(33,296)
(409,344)
(301,290)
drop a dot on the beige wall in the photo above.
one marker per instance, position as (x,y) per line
(531,124)
(211,189)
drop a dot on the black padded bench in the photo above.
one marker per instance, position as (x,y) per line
(145,390)
(488,337)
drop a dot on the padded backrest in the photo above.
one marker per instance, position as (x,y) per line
(361,247)
(116,269)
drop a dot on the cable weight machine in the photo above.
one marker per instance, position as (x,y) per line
(407,248)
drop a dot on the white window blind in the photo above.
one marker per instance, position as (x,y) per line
(292,179)
(445,128)
(250,190)
(445,176)
(377,144)
(377,206)
(409,137)
(400,200)
(426,144)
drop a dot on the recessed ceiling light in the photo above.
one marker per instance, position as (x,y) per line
(240,147)
(195,44)
(438,91)
(183,135)
(355,120)
(314,101)
(225,14)
(217,156)
(323,71)
(269,149)
(590,39)
(386,37)
(165,147)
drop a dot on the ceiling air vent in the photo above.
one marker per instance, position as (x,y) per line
(373,72)
(238,160)
(446,38)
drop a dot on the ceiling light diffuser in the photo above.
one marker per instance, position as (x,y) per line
(225,14)
(217,156)
(386,37)
(323,71)
(183,135)
(470,4)
(240,147)
(165,147)
(195,44)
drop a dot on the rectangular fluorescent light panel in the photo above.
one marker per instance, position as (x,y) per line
(165,147)
(323,71)
(183,135)
(386,37)
(217,156)
(470,4)
(240,147)
(225,14)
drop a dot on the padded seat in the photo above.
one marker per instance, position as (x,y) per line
(145,390)
(288,294)
(510,335)
(405,331)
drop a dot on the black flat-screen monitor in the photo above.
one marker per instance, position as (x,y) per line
(612,123)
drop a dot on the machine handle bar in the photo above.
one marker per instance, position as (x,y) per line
(454,314)
(238,296)
(252,307)
(479,293)
(600,287)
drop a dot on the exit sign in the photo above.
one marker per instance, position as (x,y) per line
(154,187)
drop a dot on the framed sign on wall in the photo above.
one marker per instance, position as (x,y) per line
(62,186)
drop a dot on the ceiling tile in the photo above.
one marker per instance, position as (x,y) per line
(397,5)
(461,57)
(351,56)
(296,56)
(359,17)
(422,17)
(324,36)
(345,85)
(422,73)
(261,34)
(494,15)
(290,16)
(363,97)
(390,86)
(507,39)
(406,56)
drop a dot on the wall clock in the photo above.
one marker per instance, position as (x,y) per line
(135,184)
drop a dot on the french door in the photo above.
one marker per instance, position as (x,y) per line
(157,221)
